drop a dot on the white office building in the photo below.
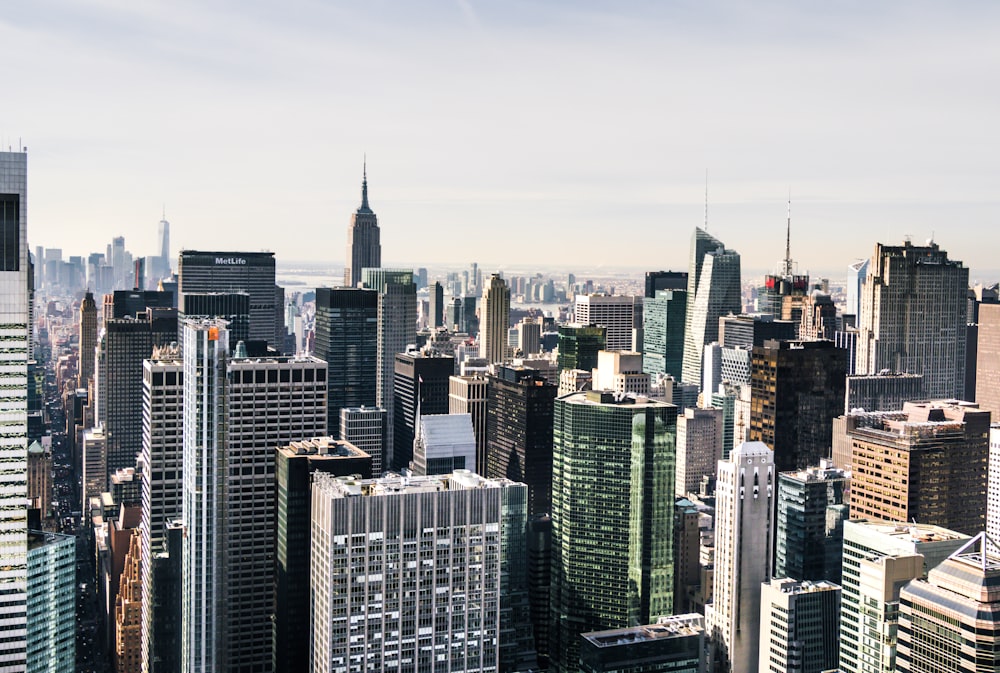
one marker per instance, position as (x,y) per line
(620,314)
(419,573)
(798,626)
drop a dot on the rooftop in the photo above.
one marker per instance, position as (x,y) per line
(394,484)
(674,626)
(915,532)
(322,447)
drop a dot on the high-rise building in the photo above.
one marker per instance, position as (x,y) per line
(798,626)
(913,317)
(365,428)
(856,274)
(699,447)
(993,485)
(251,272)
(620,315)
(294,468)
(929,467)
(233,307)
(529,337)
(664,318)
(673,644)
(988,359)
(494,320)
(687,554)
(163,249)
(126,343)
(464,608)
(235,413)
(435,313)
(819,317)
(809,529)
(39,478)
(420,388)
(87,339)
(163,654)
(713,291)
(396,325)
(95,465)
(346,326)
(519,432)
(744,505)
(878,558)
(951,620)
(612,517)
(468,395)
(665,280)
(364,247)
(797,389)
(443,443)
(128,610)
(14,316)
(162,459)
(882,392)
(579,346)
(51,605)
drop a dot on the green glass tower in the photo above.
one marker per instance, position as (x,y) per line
(612,517)
(664,319)
(579,344)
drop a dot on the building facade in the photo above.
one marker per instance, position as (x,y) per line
(364,245)
(664,318)
(494,321)
(620,315)
(810,523)
(798,626)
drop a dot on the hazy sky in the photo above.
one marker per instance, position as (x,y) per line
(509,132)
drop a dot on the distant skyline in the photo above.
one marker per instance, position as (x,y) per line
(512,134)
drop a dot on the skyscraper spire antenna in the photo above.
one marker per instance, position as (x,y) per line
(365,208)
(788,236)
(706,199)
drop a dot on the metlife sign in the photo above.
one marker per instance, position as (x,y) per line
(230,261)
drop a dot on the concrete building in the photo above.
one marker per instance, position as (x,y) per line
(799,626)
(529,337)
(879,557)
(39,479)
(951,620)
(797,389)
(295,465)
(930,467)
(494,321)
(744,506)
(713,291)
(364,245)
(673,644)
(365,428)
(993,484)
(988,359)
(913,317)
(700,437)
(464,608)
(612,502)
(87,339)
(468,395)
(620,315)
(95,465)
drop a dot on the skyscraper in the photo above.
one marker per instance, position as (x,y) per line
(988,359)
(448,587)
(951,620)
(51,607)
(87,339)
(364,249)
(126,343)
(579,345)
(743,524)
(856,274)
(295,465)
(420,388)
(519,418)
(163,249)
(699,447)
(664,317)
(250,272)
(713,291)
(13,407)
(797,389)
(930,466)
(612,517)
(435,317)
(346,327)
(365,428)
(468,395)
(878,558)
(810,524)
(913,317)
(495,320)
(798,626)
(443,443)
(620,315)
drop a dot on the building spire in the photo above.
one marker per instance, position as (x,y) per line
(365,208)
(788,237)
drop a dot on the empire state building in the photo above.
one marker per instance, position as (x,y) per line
(364,250)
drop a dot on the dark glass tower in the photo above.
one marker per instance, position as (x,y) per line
(519,432)
(578,346)
(233,307)
(364,248)
(810,524)
(420,386)
(347,338)
(663,332)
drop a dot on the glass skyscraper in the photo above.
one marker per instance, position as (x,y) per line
(612,517)
(664,319)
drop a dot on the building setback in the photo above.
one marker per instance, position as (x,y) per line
(673,644)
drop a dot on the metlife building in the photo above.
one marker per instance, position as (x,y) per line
(250,272)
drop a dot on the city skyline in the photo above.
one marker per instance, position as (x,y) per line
(534,120)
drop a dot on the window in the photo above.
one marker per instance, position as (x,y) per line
(10,232)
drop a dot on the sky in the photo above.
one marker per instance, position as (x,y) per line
(509,133)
